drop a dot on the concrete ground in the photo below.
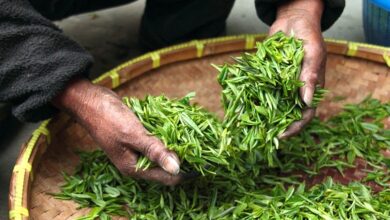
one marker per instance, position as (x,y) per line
(110,35)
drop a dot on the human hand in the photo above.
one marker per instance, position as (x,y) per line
(303,19)
(118,131)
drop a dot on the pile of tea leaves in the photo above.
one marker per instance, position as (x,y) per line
(357,132)
(246,172)
(97,184)
(261,96)
(189,130)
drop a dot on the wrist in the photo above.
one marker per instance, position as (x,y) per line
(74,96)
(310,9)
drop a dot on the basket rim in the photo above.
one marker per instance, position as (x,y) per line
(22,174)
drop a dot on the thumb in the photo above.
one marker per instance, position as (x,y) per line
(312,74)
(307,90)
(156,151)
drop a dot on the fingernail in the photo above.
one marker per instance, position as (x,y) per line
(171,166)
(306,97)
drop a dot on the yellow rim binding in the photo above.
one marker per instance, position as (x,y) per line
(115,79)
(249,42)
(352,49)
(386,57)
(199,48)
(199,45)
(22,167)
(156,59)
(19,211)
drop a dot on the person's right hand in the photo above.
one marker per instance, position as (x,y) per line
(303,19)
(118,131)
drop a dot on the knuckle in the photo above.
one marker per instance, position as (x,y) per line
(128,171)
(149,149)
(162,158)
(125,167)
(128,135)
(126,131)
(154,151)
(312,79)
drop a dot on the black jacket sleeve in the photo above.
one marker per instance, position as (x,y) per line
(36,60)
(266,10)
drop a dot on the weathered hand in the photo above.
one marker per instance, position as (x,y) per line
(118,131)
(303,19)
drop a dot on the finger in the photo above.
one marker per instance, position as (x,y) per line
(156,151)
(297,126)
(312,74)
(134,136)
(125,160)
(159,175)
(309,76)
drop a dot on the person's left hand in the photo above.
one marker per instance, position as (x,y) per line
(302,18)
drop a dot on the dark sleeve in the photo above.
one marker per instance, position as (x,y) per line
(266,10)
(36,60)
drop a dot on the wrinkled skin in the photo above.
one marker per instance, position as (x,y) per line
(118,131)
(303,19)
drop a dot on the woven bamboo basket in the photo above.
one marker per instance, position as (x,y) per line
(354,71)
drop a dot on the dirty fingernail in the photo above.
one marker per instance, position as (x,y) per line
(171,165)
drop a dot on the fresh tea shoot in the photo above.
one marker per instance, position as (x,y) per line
(190,131)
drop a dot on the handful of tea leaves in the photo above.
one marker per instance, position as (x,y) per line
(190,131)
(261,96)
